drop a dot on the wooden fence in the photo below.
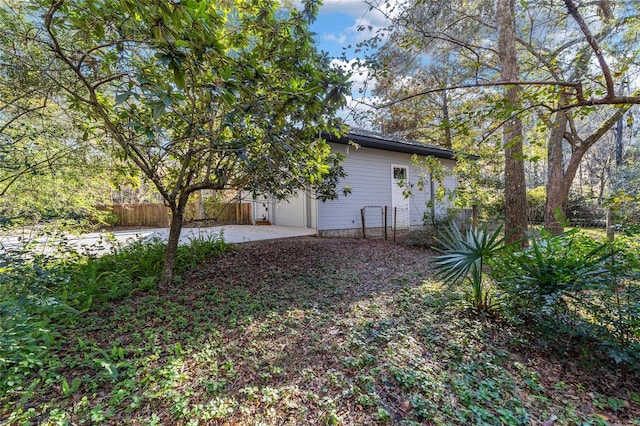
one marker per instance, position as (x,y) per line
(159,215)
(229,214)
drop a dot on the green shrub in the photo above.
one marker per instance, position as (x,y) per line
(572,284)
(427,236)
(536,198)
(539,276)
(614,305)
(28,309)
(628,229)
(137,266)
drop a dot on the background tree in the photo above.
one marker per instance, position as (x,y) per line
(435,118)
(452,42)
(197,94)
(49,169)
(575,60)
(569,57)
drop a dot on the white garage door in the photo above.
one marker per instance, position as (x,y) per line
(291,212)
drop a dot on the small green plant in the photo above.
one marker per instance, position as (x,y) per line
(69,389)
(137,266)
(464,256)
(427,236)
(382,415)
(540,275)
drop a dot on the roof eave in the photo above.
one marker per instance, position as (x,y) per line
(394,146)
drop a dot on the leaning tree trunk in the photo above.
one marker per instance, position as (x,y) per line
(446,120)
(561,175)
(558,192)
(177,216)
(515,192)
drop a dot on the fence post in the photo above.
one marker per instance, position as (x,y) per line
(385,223)
(474,216)
(395,216)
(610,224)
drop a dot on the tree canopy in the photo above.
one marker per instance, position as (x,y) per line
(197,94)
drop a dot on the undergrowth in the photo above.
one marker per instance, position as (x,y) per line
(574,287)
(44,291)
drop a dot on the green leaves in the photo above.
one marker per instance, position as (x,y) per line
(464,252)
(574,285)
(157,110)
(465,256)
(111,369)
(551,267)
(122,97)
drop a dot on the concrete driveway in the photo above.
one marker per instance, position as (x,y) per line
(101,242)
(236,233)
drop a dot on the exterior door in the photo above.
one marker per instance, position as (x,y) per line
(400,203)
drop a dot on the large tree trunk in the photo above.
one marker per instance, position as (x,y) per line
(515,192)
(556,203)
(177,216)
(558,193)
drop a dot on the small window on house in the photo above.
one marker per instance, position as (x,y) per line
(399,173)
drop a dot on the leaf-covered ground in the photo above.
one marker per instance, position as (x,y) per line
(314,331)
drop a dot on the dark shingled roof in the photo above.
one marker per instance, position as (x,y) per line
(369,139)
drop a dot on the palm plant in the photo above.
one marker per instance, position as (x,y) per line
(464,256)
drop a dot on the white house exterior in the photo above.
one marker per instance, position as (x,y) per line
(379,172)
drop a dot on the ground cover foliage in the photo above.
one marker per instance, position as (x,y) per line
(48,285)
(312,331)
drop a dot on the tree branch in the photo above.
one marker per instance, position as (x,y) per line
(605,127)
(576,85)
(615,100)
(13,178)
(23,113)
(506,120)
(129,148)
(575,13)
(108,79)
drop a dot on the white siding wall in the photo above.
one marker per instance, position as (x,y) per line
(369,177)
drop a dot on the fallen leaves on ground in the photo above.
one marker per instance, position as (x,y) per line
(319,331)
